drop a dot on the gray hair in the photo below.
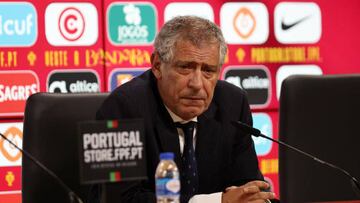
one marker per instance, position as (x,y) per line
(194,29)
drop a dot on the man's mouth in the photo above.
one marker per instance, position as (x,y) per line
(193,98)
(193,101)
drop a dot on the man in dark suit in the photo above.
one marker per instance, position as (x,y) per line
(181,87)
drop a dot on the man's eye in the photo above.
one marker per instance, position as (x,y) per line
(185,66)
(209,70)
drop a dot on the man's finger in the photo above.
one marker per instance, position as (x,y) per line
(262,196)
(230,188)
(258,183)
(258,201)
(251,189)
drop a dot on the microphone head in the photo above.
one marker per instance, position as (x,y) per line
(246,128)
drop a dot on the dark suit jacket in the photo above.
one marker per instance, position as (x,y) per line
(224,155)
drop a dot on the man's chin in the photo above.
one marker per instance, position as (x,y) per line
(191,112)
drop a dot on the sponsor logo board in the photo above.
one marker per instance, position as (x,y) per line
(297,22)
(255,80)
(71,24)
(288,70)
(10,180)
(15,87)
(131,23)
(73,81)
(262,121)
(9,155)
(18,24)
(244,23)
(200,9)
(120,76)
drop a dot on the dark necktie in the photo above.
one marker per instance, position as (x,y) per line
(189,175)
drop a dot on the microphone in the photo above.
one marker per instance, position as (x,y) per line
(72,195)
(255,132)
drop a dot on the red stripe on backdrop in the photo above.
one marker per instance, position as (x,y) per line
(10,198)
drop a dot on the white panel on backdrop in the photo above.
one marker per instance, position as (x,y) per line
(288,70)
(9,155)
(200,9)
(244,23)
(71,24)
(297,22)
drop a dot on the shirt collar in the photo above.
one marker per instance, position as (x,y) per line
(176,118)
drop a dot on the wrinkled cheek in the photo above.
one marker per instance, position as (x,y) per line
(207,103)
(172,94)
(196,109)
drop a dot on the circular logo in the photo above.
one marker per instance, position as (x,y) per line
(244,23)
(9,151)
(71,24)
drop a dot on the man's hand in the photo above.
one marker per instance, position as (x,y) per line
(248,193)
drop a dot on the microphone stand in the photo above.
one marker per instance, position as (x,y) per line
(255,132)
(72,195)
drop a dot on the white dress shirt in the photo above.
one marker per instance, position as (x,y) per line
(201,198)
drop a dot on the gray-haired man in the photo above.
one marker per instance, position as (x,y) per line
(182,86)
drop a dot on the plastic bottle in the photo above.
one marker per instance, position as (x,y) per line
(167,179)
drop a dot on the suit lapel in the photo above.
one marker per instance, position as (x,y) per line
(209,151)
(167,135)
(207,136)
(165,131)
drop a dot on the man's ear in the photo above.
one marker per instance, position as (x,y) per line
(155,65)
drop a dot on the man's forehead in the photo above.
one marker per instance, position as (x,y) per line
(185,51)
(199,44)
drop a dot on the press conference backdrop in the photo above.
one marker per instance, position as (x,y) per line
(94,46)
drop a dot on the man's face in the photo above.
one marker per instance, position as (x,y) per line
(186,83)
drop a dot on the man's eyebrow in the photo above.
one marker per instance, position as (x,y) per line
(182,62)
(193,62)
(211,66)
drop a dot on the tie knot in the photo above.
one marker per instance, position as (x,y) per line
(186,126)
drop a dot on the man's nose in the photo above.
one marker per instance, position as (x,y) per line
(195,81)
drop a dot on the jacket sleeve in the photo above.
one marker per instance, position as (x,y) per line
(245,162)
(243,166)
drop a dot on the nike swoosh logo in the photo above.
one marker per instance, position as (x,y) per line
(285,26)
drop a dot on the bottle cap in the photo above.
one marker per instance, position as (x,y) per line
(167,155)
